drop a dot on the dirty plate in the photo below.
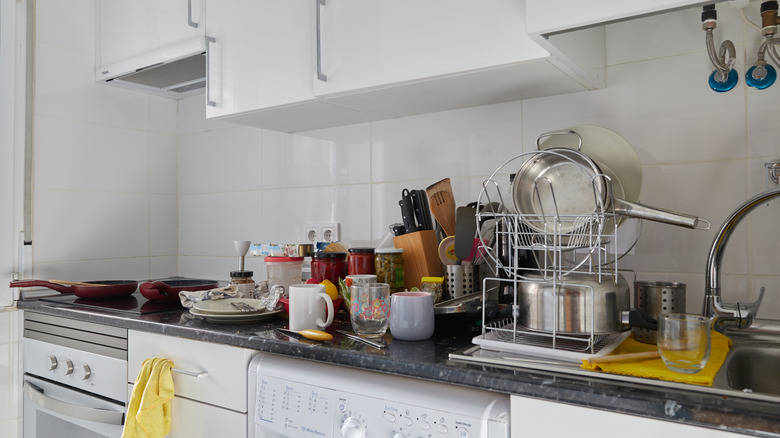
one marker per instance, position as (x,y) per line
(236,319)
(225,306)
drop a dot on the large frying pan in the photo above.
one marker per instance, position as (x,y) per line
(88,289)
(168,290)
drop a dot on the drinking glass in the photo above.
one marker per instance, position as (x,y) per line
(370,308)
(684,341)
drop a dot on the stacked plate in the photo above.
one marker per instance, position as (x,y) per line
(225,312)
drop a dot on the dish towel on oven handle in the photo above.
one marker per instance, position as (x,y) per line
(149,410)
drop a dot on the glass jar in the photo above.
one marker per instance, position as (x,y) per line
(329,266)
(434,285)
(244,283)
(360,261)
(389,267)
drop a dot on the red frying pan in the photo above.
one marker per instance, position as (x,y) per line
(168,290)
(89,289)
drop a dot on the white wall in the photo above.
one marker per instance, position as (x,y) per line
(702,153)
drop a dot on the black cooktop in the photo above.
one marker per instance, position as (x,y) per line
(135,303)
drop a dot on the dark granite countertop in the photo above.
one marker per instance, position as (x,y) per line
(430,360)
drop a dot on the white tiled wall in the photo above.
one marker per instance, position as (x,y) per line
(702,153)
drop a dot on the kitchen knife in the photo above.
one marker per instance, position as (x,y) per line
(421,210)
(407,211)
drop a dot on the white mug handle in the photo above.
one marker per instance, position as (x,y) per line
(329,304)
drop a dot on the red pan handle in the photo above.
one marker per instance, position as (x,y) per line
(30,283)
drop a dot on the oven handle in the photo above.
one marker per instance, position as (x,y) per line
(73,411)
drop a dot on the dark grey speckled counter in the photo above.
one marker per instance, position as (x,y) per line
(430,360)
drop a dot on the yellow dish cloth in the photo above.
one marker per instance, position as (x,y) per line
(655,368)
(149,410)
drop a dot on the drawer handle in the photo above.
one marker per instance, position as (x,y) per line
(191,373)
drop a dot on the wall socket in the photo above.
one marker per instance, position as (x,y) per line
(321,232)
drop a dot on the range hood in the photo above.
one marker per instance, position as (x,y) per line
(176,72)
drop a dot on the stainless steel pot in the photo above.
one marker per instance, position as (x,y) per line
(578,304)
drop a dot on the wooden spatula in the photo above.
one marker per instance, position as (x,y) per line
(442,204)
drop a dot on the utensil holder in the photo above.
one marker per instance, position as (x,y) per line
(421,256)
(657,298)
(460,280)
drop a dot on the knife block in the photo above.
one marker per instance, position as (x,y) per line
(421,256)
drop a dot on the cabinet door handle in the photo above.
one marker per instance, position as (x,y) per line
(209,40)
(103,416)
(189,15)
(196,374)
(320,75)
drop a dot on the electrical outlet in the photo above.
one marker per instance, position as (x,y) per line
(312,233)
(330,232)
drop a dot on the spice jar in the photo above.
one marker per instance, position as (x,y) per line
(389,267)
(434,285)
(360,261)
(244,283)
(329,266)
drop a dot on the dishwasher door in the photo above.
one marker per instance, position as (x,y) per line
(296,398)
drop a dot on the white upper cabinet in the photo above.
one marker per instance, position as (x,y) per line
(403,57)
(549,16)
(128,30)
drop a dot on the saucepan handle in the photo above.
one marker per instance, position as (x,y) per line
(564,132)
(632,209)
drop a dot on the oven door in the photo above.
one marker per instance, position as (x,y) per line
(54,410)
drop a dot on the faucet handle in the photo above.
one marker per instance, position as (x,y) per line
(748,311)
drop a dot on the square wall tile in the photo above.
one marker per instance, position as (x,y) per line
(163,114)
(163,225)
(163,266)
(65,87)
(298,161)
(220,161)
(89,226)
(209,223)
(70,155)
(67,24)
(163,163)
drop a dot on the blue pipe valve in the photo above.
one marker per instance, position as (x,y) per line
(720,84)
(760,76)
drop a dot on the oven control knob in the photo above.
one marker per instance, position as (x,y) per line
(84,372)
(51,365)
(353,428)
(68,367)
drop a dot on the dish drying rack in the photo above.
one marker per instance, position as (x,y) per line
(558,255)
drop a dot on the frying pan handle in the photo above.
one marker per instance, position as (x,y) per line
(31,283)
(631,209)
(565,132)
(158,287)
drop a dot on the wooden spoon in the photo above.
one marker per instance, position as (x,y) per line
(442,204)
(76,283)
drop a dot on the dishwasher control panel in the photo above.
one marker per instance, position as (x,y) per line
(296,398)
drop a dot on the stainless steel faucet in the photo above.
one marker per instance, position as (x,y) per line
(739,315)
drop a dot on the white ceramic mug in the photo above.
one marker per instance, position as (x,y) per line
(411,316)
(310,307)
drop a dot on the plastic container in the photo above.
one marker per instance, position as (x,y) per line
(329,266)
(360,261)
(389,267)
(434,285)
(284,271)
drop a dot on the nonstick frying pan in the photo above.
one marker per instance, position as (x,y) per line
(168,290)
(87,289)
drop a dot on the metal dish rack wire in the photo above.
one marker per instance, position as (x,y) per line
(561,244)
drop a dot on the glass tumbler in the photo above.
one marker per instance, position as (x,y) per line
(370,310)
(684,341)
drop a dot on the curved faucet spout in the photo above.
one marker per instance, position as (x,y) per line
(738,315)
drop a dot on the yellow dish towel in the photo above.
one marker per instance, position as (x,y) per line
(149,410)
(655,368)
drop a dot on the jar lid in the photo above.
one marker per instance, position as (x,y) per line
(361,250)
(389,250)
(433,279)
(276,259)
(330,255)
(241,274)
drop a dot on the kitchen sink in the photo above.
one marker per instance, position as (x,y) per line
(753,368)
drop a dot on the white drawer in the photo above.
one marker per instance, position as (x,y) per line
(194,419)
(224,382)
